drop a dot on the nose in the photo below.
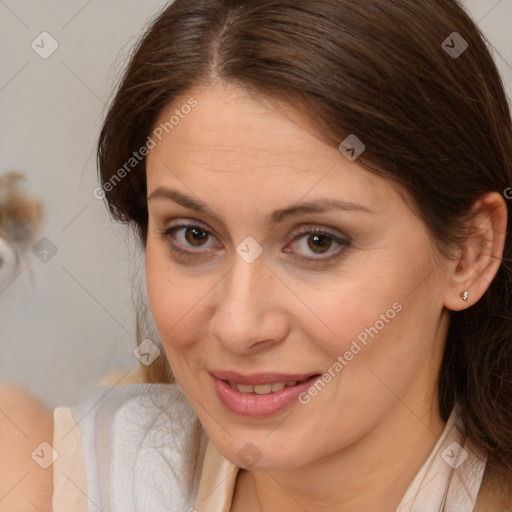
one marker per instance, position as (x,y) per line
(250,315)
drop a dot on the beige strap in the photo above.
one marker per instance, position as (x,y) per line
(217,483)
(69,480)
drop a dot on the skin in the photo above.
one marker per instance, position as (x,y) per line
(370,429)
(25,422)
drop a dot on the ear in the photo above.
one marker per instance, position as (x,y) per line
(482,254)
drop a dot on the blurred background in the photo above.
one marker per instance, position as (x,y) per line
(67,316)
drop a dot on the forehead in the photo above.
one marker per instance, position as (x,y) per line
(229,139)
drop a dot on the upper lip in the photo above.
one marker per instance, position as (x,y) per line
(259,378)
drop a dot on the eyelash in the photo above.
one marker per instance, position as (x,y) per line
(167,233)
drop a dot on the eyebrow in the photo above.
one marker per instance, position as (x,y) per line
(319,205)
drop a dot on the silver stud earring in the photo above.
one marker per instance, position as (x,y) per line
(465,296)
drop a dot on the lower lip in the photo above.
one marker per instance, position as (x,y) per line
(256,406)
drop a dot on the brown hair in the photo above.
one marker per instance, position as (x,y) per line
(435,123)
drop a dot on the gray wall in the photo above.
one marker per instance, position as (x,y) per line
(64,322)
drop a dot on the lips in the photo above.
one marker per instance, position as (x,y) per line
(255,405)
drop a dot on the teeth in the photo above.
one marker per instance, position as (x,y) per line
(244,388)
(277,386)
(262,389)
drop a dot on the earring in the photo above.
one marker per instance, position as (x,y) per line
(465,296)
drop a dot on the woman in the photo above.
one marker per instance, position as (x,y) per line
(319,189)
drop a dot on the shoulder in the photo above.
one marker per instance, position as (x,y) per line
(25,423)
(138,445)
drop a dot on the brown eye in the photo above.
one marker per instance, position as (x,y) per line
(195,235)
(319,243)
(184,238)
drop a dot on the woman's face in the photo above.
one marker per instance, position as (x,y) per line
(243,289)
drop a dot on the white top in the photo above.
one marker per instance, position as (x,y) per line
(141,448)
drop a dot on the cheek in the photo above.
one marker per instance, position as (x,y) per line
(158,288)
(175,299)
(166,297)
(370,319)
(166,301)
(384,338)
(355,306)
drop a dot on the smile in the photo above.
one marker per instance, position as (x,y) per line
(260,399)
